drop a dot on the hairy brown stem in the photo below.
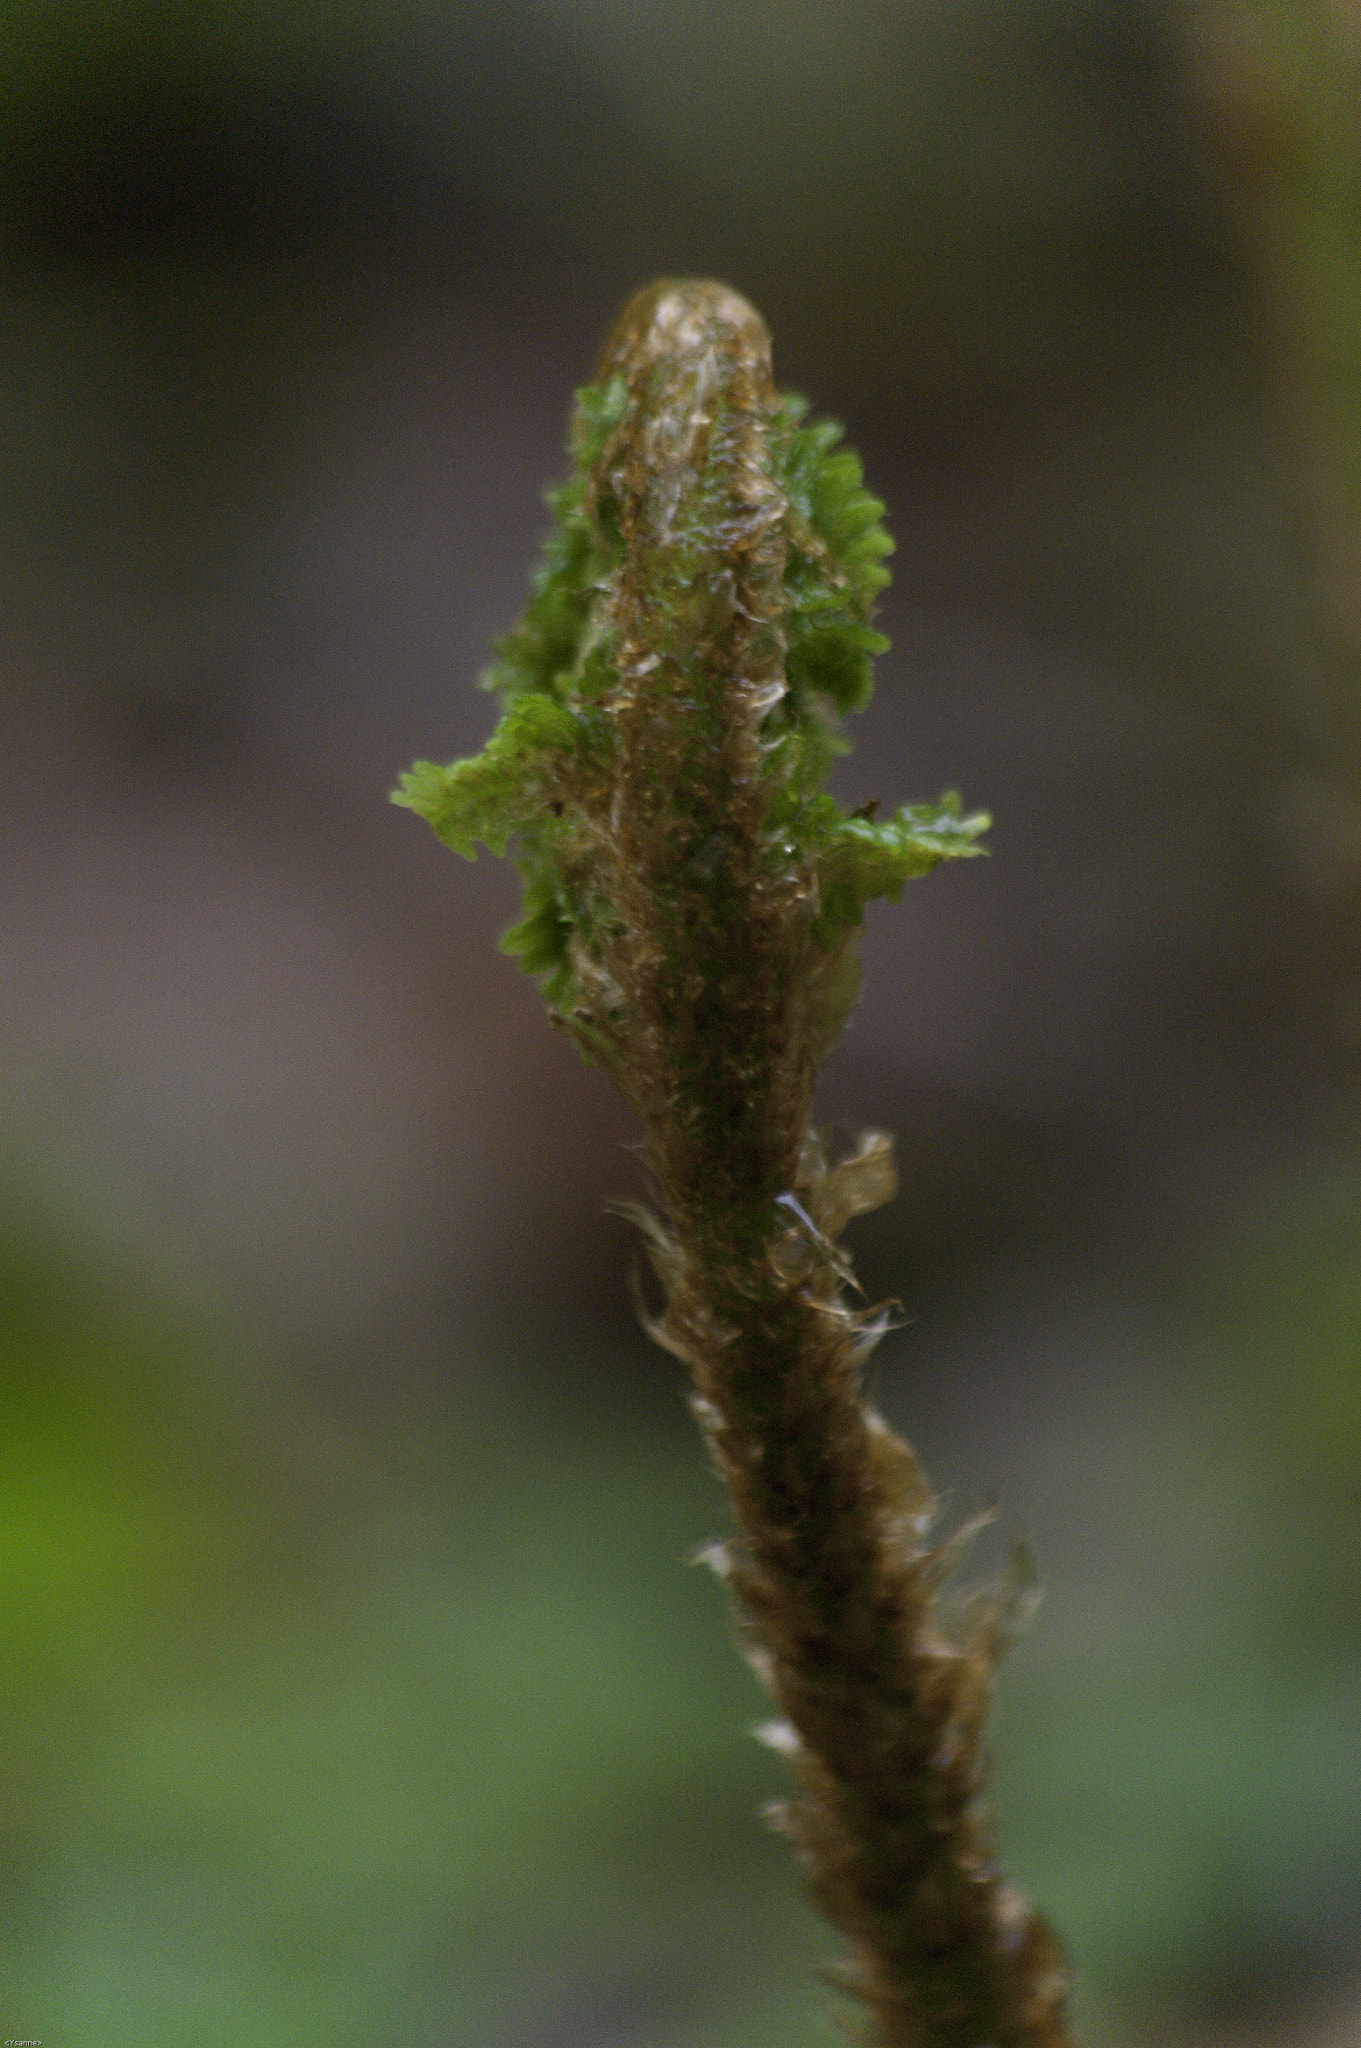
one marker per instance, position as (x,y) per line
(883,1715)
(836,1585)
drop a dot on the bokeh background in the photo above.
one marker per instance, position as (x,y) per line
(356,1683)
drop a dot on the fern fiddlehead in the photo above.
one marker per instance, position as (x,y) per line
(692,901)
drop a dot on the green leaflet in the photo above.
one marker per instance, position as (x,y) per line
(860,860)
(545,651)
(497,792)
(831,586)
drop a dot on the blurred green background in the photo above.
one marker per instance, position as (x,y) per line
(357,1684)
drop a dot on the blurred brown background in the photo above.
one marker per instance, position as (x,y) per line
(356,1687)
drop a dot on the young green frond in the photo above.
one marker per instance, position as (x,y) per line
(549,773)
(671,701)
